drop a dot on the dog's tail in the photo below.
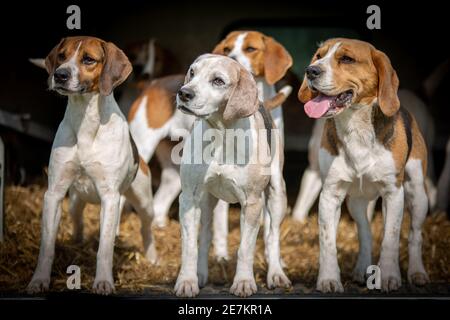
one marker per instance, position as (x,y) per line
(38,62)
(278,99)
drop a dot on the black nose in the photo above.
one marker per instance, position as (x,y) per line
(186,94)
(61,76)
(313,72)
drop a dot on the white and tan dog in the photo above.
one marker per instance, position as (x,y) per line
(268,61)
(93,156)
(370,147)
(223,96)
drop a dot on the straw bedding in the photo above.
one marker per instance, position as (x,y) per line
(133,274)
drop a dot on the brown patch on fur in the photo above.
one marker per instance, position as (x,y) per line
(143,166)
(399,134)
(330,140)
(419,148)
(267,57)
(160,100)
(275,101)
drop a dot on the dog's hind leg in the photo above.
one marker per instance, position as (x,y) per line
(220,227)
(76,207)
(358,207)
(309,191)
(140,196)
(276,205)
(170,185)
(417,204)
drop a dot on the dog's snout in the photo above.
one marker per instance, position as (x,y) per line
(61,76)
(186,94)
(313,72)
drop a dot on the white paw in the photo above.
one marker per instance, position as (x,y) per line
(329,285)
(38,286)
(187,287)
(243,287)
(278,280)
(418,278)
(286,90)
(391,279)
(103,287)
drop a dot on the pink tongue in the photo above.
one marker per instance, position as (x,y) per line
(318,106)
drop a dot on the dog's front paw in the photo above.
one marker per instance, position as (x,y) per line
(103,287)
(38,285)
(418,278)
(243,287)
(329,285)
(278,280)
(286,90)
(152,255)
(391,279)
(187,287)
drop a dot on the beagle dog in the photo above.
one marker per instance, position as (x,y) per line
(93,156)
(152,119)
(268,61)
(370,147)
(223,97)
(311,183)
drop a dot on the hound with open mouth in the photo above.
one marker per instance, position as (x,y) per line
(371,147)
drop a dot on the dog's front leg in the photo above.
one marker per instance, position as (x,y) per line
(104,282)
(244,284)
(187,281)
(393,203)
(61,174)
(331,198)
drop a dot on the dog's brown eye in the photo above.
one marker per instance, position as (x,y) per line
(61,56)
(346,59)
(218,82)
(250,49)
(191,73)
(88,60)
(226,50)
(318,56)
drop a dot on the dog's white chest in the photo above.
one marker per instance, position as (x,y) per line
(224,181)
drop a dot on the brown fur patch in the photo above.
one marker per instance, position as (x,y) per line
(267,57)
(330,140)
(143,166)
(399,134)
(160,100)
(419,148)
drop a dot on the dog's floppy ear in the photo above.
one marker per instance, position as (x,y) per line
(387,83)
(116,68)
(276,61)
(50,60)
(243,101)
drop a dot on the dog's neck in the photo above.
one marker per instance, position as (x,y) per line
(86,112)
(355,129)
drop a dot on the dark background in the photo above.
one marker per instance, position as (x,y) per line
(414,36)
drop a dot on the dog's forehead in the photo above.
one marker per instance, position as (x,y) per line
(213,63)
(352,45)
(82,44)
